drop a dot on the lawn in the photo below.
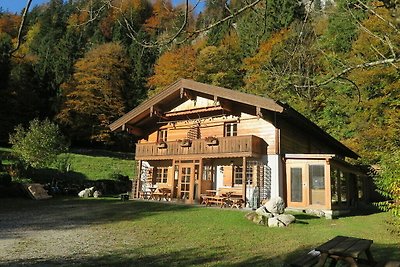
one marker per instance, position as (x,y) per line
(88,164)
(109,232)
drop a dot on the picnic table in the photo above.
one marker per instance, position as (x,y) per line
(346,248)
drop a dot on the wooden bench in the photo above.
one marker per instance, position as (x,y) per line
(305,260)
(162,193)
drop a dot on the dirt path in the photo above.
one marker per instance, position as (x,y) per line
(55,232)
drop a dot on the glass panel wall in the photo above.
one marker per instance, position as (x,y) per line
(296,179)
(317,184)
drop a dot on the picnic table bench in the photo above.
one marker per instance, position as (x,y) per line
(162,193)
(338,248)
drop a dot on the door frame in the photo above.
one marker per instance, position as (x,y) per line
(304,185)
(191,181)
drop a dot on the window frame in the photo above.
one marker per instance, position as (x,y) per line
(230,129)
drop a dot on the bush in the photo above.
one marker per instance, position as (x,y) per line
(38,145)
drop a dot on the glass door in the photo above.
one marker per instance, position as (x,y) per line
(186,182)
(297,185)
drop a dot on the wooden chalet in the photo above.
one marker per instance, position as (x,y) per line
(197,137)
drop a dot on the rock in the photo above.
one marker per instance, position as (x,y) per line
(84,193)
(97,194)
(286,218)
(263,212)
(281,220)
(256,218)
(275,205)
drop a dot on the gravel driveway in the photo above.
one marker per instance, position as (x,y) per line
(56,232)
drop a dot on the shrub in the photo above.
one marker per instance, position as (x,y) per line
(38,145)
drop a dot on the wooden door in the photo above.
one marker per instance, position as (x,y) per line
(186,182)
(297,186)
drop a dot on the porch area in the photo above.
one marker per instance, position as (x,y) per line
(324,183)
(224,182)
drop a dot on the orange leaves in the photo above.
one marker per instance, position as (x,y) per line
(172,65)
(163,15)
(94,96)
(9,24)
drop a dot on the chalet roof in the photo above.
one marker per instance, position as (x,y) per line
(144,115)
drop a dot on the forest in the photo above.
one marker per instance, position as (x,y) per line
(82,63)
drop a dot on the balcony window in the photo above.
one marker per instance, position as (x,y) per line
(230,129)
(162,135)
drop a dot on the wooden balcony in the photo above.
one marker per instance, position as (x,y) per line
(233,146)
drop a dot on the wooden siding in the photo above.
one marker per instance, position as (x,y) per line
(235,146)
(296,141)
(247,125)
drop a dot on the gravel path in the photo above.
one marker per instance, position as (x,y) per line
(56,233)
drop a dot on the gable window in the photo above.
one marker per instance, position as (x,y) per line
(230,129)
(162,175)
(238,175)
(162,135)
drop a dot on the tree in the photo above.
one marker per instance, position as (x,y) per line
(388,184)
(172,65)
(39,144)
(93,98)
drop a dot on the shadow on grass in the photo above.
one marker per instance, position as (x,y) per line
(186,257)
(212,256)
(69,213)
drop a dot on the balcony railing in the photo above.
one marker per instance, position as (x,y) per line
(233,146)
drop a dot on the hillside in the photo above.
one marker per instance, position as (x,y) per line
(335,62)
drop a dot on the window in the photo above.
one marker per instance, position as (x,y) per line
(162,175)
(296,184)
(162,135)
(231,129)
(317,184)
(238,175)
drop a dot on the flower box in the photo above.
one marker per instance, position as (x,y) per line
(161,145)
(186,143)
(211,141)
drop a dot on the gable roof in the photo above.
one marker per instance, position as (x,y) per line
(181,90)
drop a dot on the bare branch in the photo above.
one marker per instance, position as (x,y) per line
(347,70)
(379,16)
(21,26)
(189,34)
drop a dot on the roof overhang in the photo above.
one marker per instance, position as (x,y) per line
(146,117)
(183,90)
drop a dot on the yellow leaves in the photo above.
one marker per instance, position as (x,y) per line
(172,65)
(265,51)
(163,15)
(377,39)
(94,95)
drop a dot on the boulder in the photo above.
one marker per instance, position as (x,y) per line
(275,205)
(281,220)
(97,194)
(84,193)
(263,212)
(256,218)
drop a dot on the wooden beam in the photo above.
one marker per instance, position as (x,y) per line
(151,111)
(134,130)
(190,94)
(277,141)
(244,169)
(259,113)
(226,105)
(138,181)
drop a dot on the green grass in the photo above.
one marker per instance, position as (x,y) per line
(100,164)
(88,164)
(136,233)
